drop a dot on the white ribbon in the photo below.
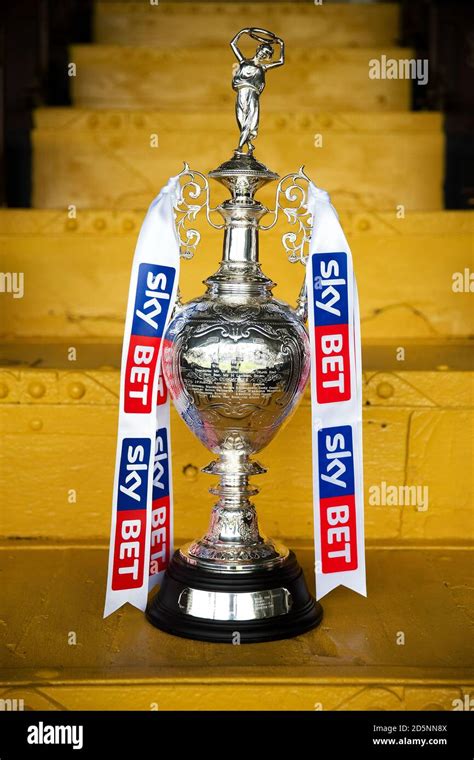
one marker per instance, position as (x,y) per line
(141,537)
(336,403)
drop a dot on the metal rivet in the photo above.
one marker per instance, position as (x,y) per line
(36,424)
(3,390)
(363,224)
(326,121)
(71,224)
(99,223)
(190,472)
(128,224)
(385,389)
(37,390)
(76,390)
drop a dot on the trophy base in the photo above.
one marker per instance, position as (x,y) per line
(234,608)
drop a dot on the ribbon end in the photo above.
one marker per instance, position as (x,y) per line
(325,584)
(358,585)
(112,605)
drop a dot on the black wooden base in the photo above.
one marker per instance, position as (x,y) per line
(163,610)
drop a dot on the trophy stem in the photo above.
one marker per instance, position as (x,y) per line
(233,540)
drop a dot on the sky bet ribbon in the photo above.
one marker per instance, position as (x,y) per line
(142,511)
(336,403)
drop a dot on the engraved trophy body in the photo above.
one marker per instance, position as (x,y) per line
(236,362)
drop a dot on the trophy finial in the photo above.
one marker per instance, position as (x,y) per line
(249,81)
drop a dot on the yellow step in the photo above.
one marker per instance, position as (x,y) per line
(59,433)
(353,661)
(168,25)
(77,271)
(336,79)
(104,159)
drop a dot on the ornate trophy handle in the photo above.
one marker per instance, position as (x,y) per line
(294,188)
(187,208)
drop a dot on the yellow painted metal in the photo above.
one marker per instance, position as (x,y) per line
(175,25)
(58,453)
(77,271)
(116,76)
(393,162)
(355,661)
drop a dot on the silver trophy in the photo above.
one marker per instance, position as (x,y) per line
(236,362)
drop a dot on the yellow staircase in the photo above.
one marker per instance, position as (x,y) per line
(153,91)
(392,160)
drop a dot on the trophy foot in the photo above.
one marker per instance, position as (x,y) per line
(234,608)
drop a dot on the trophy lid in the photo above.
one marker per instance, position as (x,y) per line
(243,170)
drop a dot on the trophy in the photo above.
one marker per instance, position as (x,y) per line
(236,362)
